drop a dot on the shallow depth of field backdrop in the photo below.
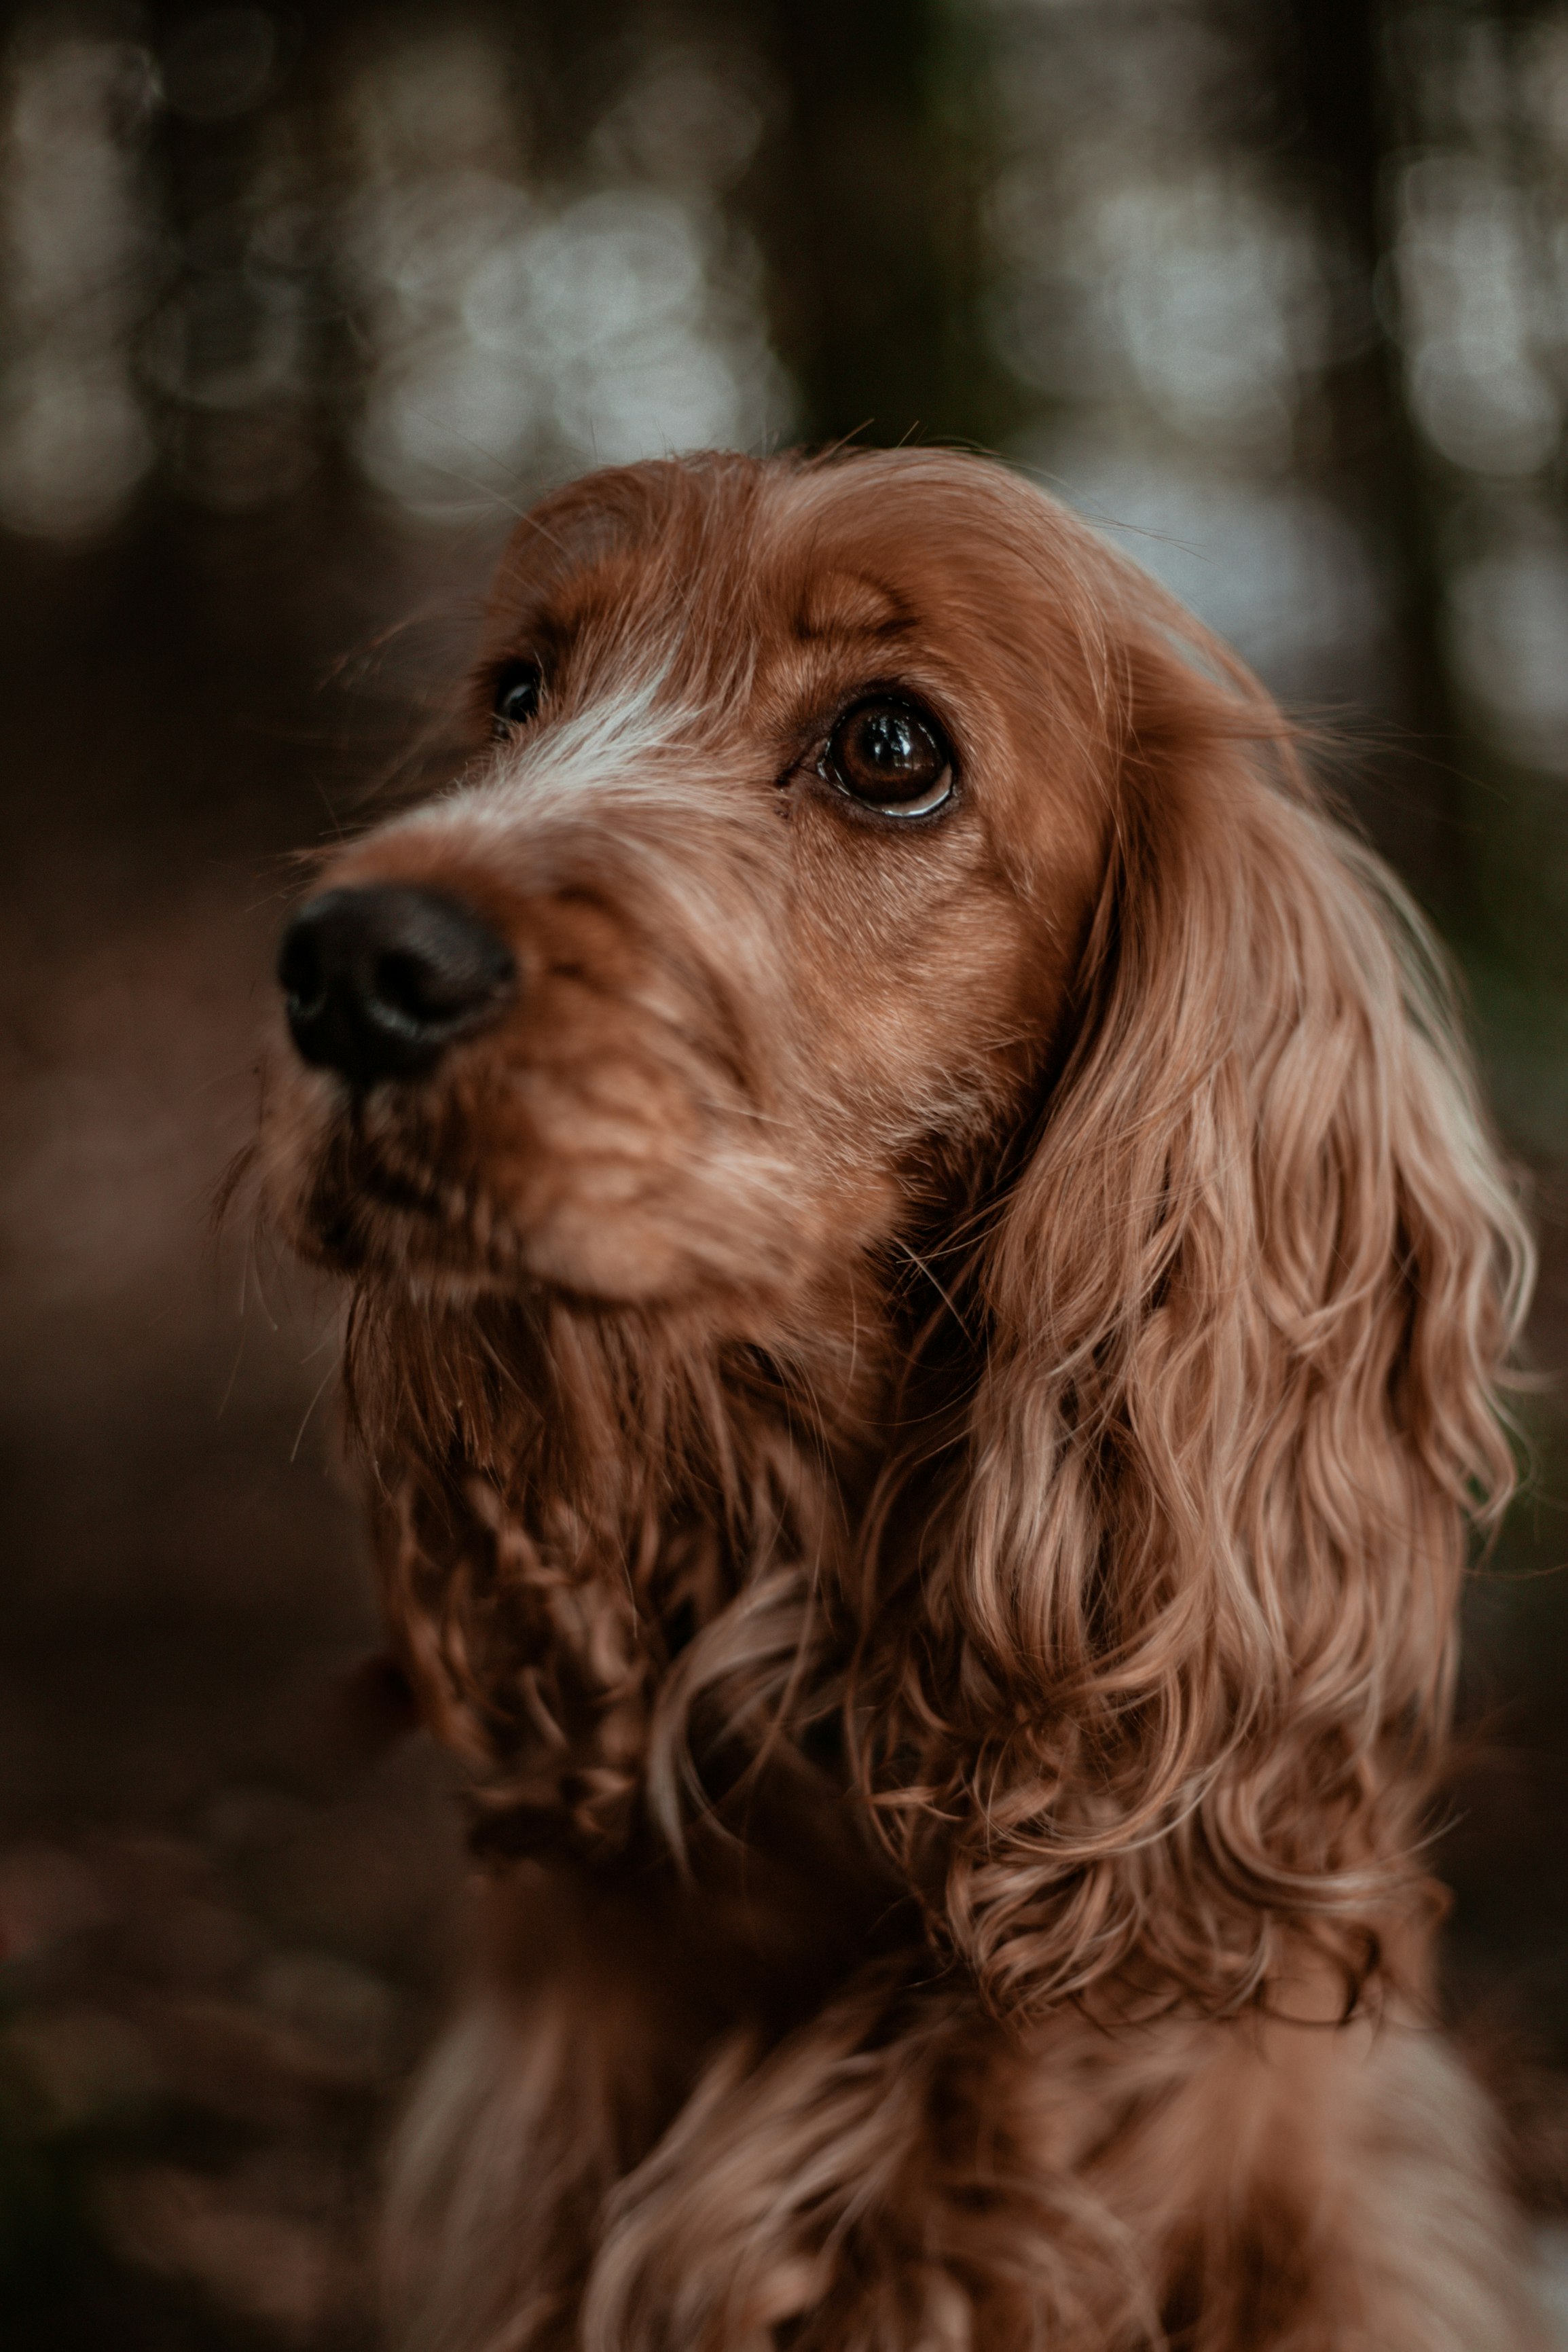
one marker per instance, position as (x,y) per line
(297,307)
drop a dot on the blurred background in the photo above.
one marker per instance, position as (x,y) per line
(298,306)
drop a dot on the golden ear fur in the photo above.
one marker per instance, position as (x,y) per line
(1175,1667)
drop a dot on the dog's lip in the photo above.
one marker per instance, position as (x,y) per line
(351,1180)
(382,1225)
(414,1194)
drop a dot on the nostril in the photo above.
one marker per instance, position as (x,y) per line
(301,972)
(380,979)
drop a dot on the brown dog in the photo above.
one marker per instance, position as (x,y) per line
(927,1288)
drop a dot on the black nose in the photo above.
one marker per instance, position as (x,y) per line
(381,979)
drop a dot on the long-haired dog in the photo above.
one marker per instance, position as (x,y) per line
(927,1288)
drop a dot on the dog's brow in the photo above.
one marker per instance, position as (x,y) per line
(848,604)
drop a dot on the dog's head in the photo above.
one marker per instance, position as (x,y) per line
(857,866)
(757,907)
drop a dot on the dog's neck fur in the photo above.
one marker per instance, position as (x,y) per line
(615,1547)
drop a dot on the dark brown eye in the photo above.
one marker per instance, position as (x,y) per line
(516,694)
(891,756)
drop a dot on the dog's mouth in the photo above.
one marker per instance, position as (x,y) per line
(463,1190)
(376,1203)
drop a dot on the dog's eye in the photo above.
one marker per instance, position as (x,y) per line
(516,694)
(891,756)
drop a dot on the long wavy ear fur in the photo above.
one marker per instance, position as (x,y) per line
(1175,1663)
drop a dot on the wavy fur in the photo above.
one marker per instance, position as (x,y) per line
(923,1395)
(1179,1666)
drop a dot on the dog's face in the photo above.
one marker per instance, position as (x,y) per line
(817,820)
(751,918)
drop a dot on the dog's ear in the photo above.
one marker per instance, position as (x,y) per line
(1170,1671)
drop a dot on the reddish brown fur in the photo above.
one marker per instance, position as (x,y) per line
(920,1395)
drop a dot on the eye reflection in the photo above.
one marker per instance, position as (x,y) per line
(890,755)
